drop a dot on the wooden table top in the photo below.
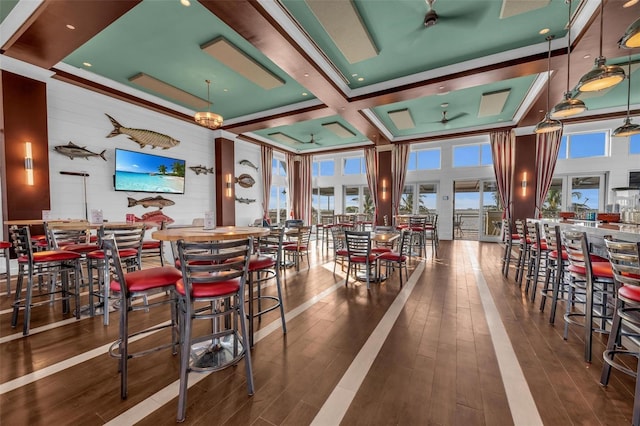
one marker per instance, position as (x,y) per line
(196,233)
(29,222)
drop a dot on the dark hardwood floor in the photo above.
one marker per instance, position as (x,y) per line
(437,365)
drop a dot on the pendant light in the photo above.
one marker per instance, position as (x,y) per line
(602,76)
(628,128)
(631,37)
(208,119)
(569,106)
(548,125)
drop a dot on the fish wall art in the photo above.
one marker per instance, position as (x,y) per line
(72,151)
(202,170)
(158,202)
(245,180)
(245,200)
(249,164)
(155,217)
(142,137)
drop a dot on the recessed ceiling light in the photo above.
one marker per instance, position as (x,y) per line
(71,27)
(541,110)
(444,104)
(543,31)
(186,3)
(630,3)
(360,78)
(355,74)
(86,64)
(306,74)
(225,90)
(443,93)
(305,94)
(587,56)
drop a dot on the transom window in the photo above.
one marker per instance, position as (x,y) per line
(354,166)
(583,145)
(472,155)
(424,159)
(634,144)
(323,168)
(278,167)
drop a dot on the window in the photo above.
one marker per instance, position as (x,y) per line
(278,167)
(354,166)
(278,204)
(424,159)
(583,145)
(472,155)
(419,198)
(322,202)
(357,199)
(323,168)
(634,144)
(553,203)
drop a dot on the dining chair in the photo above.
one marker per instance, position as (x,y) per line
(134,284)
(214,276)
(4,251)
(300,249)
(45,263)
(327,222)
(431,232)
(264,265)
(393,259)
(359,255)
(591,285)
(418,226)
(624,258)
(154,249)
(129,241)
(340,253)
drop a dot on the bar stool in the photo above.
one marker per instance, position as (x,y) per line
(554,286)
(524,250)
(509,239)
(135,284)
(431,232)
(538,260)
(264,265)
(154,248)
(4,250)
(418,226)
(625,263)
(213,277)
(50,263)
(591,284)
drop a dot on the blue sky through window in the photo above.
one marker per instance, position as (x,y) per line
(634,144)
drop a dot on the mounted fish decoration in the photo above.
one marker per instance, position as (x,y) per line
(155,217)
(249,164)
(245,180)
(202,170)
(158,202)
(245,200)
(142,137)
(72,151)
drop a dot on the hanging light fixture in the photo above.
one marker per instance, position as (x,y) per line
(601,76)
(631,37)
(548,125)
(569,105)
(208,119)
(628,128)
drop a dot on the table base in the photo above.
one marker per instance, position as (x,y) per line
(223,352)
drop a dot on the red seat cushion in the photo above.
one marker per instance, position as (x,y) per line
(294,247)
(124,253)
(363,259)
(600,270)
(342,252)
(380,250)
(257,263)
(554,255)
(51,256)
(5,244)
(393,257)
(151,244)
(217,289)
(630,292)
(543,246)
(150,278)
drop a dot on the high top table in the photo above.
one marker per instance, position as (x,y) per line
(196,233)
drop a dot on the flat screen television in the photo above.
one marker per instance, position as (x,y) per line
(142,172)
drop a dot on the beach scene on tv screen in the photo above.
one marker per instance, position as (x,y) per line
(148,173)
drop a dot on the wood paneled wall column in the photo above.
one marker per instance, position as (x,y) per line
(24,119)
(524,199)
(225,186)
(384,187)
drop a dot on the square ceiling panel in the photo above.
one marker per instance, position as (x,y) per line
(165,40)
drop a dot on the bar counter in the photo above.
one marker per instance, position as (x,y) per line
(596,231)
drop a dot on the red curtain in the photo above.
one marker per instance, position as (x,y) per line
(266,158)
(399,157)
(371,163)
(547,147)
(503,151)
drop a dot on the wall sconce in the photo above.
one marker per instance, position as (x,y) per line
(523,184)
(384,189)
(229,185)
(28,163)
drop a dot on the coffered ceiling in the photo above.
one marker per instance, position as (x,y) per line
(350,73)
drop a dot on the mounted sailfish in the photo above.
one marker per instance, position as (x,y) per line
(142,137)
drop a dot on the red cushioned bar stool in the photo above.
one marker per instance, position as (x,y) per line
(4,250)
(509,239)
(49,263)
(538,259)
(624,258)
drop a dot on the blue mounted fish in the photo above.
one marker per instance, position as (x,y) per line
(249,164)
(72,151)
(142,137)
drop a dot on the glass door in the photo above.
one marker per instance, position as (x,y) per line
(477,213)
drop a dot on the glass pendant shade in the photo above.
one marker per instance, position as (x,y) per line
(601,77)
(631,37)
(627,129)
(548,125)
(208,119)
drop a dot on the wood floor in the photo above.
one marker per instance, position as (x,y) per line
(425,354)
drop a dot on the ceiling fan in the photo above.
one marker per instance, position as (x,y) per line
(445,119)
(311,140)
(471,12)
(431,18)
